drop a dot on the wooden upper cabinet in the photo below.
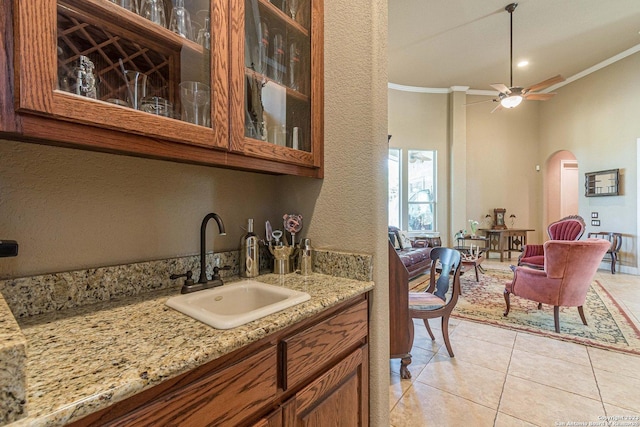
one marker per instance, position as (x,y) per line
(95,62)
(277,80)
(93,74)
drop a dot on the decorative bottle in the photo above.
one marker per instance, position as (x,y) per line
(249,253)
(305,257)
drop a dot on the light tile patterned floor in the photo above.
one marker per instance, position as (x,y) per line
(505,378)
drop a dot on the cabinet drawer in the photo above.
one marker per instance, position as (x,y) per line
(306,353)
(224,398)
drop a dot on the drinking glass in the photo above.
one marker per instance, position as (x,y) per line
(263,52)
(180,22)
(278,56)
(127,4)
(293,8)
(294,64)
(204,34)
(195,98)
(153,10)
(136,87)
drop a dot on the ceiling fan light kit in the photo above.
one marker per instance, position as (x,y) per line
(511,97)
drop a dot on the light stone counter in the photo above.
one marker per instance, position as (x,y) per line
(85,358)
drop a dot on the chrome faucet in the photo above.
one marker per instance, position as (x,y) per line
(203,235)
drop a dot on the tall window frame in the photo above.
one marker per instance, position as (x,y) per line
(413,190)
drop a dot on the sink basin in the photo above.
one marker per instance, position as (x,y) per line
(235,304)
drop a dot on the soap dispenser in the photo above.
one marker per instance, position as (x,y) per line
(249,253)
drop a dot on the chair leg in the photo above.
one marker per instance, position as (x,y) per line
(584,319)
(556,317)
(426,324)
(405,361)
(614,258)
(507,300)
(445,334)
(404,367)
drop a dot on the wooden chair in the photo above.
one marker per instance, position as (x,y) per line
(616,243)
(438,300)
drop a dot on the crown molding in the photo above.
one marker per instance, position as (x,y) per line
(573,78)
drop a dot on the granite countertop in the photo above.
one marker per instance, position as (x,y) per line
(83,359)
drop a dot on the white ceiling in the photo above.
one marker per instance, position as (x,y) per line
(445,43)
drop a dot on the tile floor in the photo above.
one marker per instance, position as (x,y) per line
(506,378)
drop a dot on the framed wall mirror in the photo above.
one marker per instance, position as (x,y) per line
(602,183)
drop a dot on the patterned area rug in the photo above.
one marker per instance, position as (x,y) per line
(609,327)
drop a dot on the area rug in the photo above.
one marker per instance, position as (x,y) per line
(608,325)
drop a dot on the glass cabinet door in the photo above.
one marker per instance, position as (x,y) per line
(279,80)
(143,66)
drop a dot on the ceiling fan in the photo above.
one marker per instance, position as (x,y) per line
(512,96)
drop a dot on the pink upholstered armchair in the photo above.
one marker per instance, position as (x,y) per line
(568,228)
(569,267)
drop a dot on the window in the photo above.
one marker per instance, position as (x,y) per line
(412,206)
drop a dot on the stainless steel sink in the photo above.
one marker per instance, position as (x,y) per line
(237,303)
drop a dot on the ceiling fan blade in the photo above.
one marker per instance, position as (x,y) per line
(538,96)
(501,88)
(545,84)
(498,108)
(481,102)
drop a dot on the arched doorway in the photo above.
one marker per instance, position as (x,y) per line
(562,186)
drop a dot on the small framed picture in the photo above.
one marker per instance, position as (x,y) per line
(595,222)
(594,214)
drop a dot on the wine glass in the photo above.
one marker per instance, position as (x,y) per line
(180,22)
(293,8)
(204,34)
(153,10)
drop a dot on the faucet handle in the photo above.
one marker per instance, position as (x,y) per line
(189,277)
(216,271)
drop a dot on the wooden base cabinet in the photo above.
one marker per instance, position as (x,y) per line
(314,373)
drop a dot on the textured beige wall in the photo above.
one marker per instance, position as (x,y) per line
(503,152)
(71,209)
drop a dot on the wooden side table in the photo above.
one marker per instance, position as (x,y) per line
(505,241)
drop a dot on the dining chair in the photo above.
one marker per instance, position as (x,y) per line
(439,299)
(616,243)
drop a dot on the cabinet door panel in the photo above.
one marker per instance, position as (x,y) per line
(309,351)
(72,60)
(337,398)
(277,80)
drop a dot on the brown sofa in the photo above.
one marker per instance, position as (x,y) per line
(414,258)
